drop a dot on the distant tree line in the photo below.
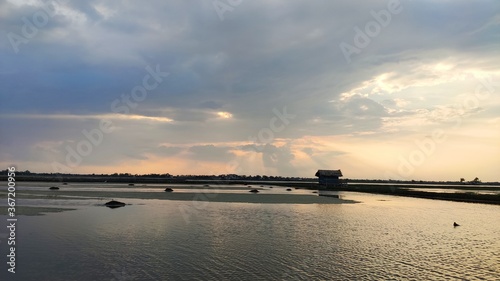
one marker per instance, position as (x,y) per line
(27,175)
(155,177)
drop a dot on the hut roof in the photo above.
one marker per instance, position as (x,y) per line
(328,173)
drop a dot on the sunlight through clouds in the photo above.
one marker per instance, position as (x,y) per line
(224,115)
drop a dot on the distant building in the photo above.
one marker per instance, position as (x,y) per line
(329,178)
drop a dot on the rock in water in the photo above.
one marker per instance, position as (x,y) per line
(114,204)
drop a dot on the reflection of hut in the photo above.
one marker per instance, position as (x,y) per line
(329,178)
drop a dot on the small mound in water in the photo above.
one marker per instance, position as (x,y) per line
(288,189)
(114,204)
(168,189)
(254,191)
(54,188)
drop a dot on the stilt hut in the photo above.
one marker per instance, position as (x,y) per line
(329,178)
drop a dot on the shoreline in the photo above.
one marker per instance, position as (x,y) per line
(259,198)
(383,189)
(404,191)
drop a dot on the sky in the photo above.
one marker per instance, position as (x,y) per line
(379,89)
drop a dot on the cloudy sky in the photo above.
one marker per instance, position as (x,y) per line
(379,89)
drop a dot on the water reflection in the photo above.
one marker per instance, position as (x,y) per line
(397,238)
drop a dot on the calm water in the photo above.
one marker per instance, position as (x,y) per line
(382,238)
(451,190)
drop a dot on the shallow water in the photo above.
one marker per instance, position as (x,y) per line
(382,238)
(450,190)
(114,187)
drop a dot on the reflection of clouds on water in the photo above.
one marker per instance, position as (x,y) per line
(235,241)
